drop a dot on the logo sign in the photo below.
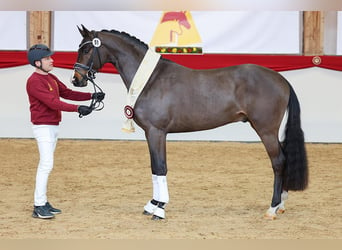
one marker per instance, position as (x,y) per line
(176,33)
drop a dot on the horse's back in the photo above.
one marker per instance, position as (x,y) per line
(242,85)
(223,79)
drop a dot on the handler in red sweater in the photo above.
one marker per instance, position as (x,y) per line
(44,91)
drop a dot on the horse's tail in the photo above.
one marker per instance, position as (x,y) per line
(296,165)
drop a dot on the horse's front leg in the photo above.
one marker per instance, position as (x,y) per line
(156,140)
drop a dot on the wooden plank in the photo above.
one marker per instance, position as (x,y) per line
(313,33)
(39,27)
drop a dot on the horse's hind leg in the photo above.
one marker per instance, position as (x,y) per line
(156,140)
(277,158)
(284,196)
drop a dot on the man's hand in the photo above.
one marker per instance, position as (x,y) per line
(98,96)
(84,110)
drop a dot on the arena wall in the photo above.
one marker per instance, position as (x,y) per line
(318,91)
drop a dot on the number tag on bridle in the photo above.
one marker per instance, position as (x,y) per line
(96,42)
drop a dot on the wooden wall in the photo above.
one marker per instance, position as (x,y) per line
(39,27)
(313,30)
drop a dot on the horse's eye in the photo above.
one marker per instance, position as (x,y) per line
(86,51)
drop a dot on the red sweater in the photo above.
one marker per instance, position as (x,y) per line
(44,92)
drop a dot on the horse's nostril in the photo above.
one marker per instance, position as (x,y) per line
(74,81)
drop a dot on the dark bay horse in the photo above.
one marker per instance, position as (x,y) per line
(179,99)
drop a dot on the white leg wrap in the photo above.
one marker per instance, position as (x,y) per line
(162,189)
(150,208)
(160,212)
(160,194)
(272,212)
(284,196)
(155,187)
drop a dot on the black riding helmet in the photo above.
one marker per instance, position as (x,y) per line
(37,52)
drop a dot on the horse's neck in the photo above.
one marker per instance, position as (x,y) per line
(128,63)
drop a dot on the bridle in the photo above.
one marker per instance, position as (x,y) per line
(90,72)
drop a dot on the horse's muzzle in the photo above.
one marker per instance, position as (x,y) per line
(78,81)
(82,73)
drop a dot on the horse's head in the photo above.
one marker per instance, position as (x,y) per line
(89,59)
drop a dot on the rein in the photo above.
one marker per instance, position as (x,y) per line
(90,74)
(95,105)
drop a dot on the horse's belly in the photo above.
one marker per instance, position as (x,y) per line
(197,121)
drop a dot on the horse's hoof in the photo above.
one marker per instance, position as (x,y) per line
(155,217)
(270,216)
(146,213)
(281,211)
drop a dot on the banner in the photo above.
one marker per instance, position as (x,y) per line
(252,32)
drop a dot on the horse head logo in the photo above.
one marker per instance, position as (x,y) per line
(179,17)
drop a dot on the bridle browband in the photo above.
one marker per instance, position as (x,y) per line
(90,74)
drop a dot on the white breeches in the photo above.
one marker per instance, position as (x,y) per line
(46,137)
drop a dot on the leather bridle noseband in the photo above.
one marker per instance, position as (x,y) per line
(90,72)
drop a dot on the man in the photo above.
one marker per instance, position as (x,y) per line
(44,91)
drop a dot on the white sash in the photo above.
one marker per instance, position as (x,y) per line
(139,81)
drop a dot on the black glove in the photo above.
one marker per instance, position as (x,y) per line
(84,110)
(99,96)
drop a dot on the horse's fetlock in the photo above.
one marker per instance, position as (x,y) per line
(161,205)
(154,202)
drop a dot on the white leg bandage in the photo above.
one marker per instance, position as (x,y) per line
(155,187)
(160,212)
(272,210)
(150,208)
(284,197)
(160,189)
(160,194)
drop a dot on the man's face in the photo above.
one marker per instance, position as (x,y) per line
(46,63)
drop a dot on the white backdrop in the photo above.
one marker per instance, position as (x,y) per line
(319,92)
(339,33)
(67,38)
(13,30)
(275,32)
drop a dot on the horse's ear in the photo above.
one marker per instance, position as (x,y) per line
(84,31)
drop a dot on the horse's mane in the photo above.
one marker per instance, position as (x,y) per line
(127,37)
